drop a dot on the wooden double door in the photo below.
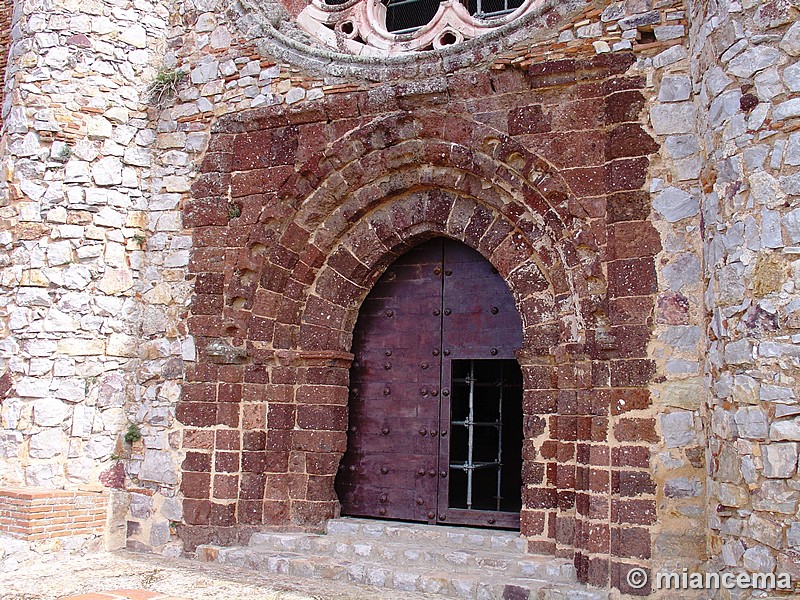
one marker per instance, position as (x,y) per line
(435,425)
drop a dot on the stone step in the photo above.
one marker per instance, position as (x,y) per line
(441,535)
(475,583)
(447,561)
(400,552)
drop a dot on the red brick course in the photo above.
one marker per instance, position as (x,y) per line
(39,514)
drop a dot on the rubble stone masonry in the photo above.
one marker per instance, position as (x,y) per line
(183,263)
(745,75)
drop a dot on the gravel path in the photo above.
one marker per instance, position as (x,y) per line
(50,579)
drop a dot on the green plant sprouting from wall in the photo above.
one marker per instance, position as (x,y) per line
(134,434)
(165,84)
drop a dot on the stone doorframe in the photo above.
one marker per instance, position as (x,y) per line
(275,311)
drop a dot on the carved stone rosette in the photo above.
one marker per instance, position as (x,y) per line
(359,27)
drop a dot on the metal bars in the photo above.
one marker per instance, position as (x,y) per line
(499,441)
(471,428)
(470,465)
(490,9)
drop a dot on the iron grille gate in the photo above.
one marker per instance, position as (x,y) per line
(435,429)
(486,435)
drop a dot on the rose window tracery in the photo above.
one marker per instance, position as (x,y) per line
(389,27)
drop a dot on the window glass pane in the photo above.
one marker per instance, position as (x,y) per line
(408,15)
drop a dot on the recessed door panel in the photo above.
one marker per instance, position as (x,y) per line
(480,319)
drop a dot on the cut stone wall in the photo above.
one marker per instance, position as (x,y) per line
(677,457)
(353,205)
(136,251)
(223,479)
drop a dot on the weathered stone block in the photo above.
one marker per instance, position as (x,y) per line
(759,559)
(632,277)
(687,395)
(752,60)
(158,466)
(786,110)
(141,506)
(751,422)
(739,352)
(674,88)
(678,117)
(790,43)
(683,487)
(780,460)
(775,496)
(793,535)
(765,531)
(678,429)
(785,430)
(528,119)
(674,204)
(732,495)
(47,443)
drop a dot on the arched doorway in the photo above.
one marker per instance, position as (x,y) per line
(435,419)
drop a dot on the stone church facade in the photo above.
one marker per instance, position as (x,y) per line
(198,197)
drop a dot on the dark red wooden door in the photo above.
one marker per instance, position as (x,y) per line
(439,302)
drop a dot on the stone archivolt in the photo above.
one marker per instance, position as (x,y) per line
(354,190)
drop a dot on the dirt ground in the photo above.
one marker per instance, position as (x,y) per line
(51,579)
